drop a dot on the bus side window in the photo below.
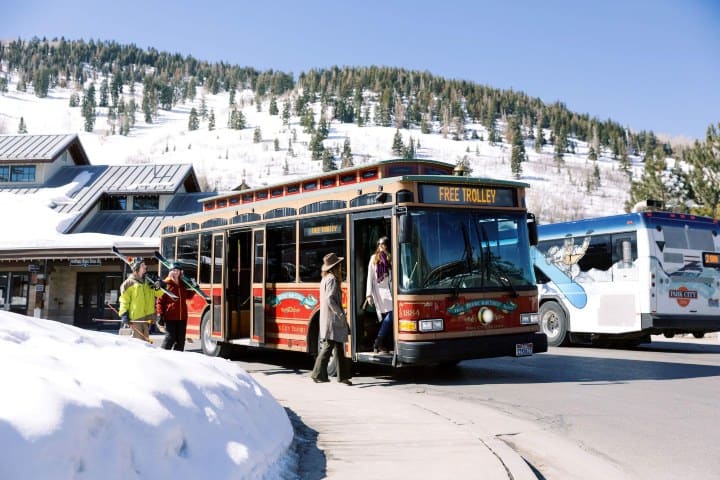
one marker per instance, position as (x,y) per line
(624,251)
(598,255)
(280,253)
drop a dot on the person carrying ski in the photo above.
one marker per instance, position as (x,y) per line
(137,300)
(173,314)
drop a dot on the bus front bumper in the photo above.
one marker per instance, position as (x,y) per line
(448,351)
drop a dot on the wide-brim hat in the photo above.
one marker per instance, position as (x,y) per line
(330,260)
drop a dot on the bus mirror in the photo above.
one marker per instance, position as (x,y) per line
(532,229)
(405,227)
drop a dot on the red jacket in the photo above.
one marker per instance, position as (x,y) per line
(174,310)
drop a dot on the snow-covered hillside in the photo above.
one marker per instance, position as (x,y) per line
(223,158)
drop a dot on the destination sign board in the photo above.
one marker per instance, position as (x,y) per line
(467,195)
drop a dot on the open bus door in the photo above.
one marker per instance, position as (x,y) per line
(366,228)
(217,312)
(258,287)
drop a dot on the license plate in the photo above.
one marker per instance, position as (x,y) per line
(523,349)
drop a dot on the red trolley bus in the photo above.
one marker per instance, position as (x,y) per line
(464,285)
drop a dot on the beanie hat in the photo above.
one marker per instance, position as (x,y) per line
(135,263)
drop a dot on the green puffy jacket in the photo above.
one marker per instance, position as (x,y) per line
(137,299)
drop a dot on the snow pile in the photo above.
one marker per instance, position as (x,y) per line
(83,404)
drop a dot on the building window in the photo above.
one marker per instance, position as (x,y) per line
(114,202)
(146,202)
(18,174)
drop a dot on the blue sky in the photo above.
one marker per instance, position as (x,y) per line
(647,65)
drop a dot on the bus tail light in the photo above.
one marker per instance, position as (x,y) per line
(528,318)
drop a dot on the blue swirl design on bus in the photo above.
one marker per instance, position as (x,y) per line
(458,309)
(573,291)
(308,302)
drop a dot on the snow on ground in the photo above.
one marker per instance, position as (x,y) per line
(223,158)
(83,404)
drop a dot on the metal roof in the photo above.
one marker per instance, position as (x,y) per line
(143,224)
(40,148)
(124,179)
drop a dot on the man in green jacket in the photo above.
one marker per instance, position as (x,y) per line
(137,301)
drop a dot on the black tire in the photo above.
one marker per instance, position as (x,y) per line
(669,334)
(210,346)
(553,323)
(698,334)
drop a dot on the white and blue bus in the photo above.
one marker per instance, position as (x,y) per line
(625,277)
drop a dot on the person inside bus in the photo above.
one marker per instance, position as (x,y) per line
(333,323)
(173,314)
(379,293)
(137,300)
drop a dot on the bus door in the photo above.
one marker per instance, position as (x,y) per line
(258,286)
(217,312)
(365,230)
(238,294)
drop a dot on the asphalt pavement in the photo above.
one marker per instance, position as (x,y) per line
(365,431)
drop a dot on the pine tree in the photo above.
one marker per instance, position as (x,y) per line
(328,161)
(316,147)
(273,110)
(651,184)
(539,136)
(518,154)
(276,144)
(704,178)
(88,108)
(104,91)
(22,128)
(346,157)
(203,112)
(257,135)
(41,82)
(193,121)
(286,113)
(397,146)
(74,99)
(308,120)
(211,120)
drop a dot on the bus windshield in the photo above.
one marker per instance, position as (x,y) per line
(465,250)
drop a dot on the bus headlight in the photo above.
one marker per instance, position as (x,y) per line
(528,318)
(485,316)
(431,325)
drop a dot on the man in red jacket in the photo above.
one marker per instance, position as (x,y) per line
(173,314)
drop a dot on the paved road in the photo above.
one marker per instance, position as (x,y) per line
(650,412)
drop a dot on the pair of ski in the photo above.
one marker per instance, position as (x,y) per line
(167,264)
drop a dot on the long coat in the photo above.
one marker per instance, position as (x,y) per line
(333,324)
(381,292)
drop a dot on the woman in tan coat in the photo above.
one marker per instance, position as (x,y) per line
(333,323)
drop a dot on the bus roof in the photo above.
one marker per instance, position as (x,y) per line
(622,223)
(420,170)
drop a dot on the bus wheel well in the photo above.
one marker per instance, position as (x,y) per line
(313,335)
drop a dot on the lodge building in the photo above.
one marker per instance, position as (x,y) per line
(75,278)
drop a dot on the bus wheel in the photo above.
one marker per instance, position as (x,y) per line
(669,334)
(210,346)
(698,334)
(553,323)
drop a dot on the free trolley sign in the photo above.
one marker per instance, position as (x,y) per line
(84,262)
